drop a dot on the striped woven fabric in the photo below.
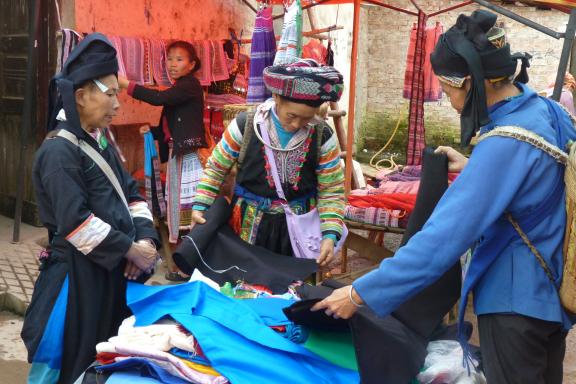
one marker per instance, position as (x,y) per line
(376,216)
(159,69)
(290,45)
(261,55)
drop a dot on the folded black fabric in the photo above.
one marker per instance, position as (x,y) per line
(216,250)
(425,311)
(392,349)
(301,314)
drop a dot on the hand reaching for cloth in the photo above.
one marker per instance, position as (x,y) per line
(141,257)
(456,160)
(326,252)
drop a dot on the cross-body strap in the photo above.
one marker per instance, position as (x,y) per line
(529,137)
(245,120)
(98,159)
(539,142)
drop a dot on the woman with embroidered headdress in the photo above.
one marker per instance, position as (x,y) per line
(306,155)
(522,324)
(100,229)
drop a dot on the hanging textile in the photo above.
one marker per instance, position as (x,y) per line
(159,69)
(154,193)
(261,55)
(70,40)
(416,136)
(432,90)
(314,49)
(290,45)
(117,43)
(134,58)
(213,61)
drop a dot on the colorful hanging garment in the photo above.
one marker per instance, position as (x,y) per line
(416,135)
(213,62)
(290,46)
(261,55)
(158,56)
(134,53)
(154,193)
(70,40)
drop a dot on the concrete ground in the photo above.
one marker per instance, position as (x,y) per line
(18,269)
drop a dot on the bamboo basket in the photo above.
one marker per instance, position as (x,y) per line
(568,287)
(230,111)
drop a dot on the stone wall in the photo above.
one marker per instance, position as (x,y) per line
(388,35)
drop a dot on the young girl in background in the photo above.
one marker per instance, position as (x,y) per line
(180,134)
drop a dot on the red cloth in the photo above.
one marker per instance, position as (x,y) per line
(106,358)
(391,201)
(314,49)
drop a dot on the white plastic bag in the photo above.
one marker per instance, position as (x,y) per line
(444,365)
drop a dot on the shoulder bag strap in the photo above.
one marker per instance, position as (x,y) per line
(246,135)
(539,142)
(98,159)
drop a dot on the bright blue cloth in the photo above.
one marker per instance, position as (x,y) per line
(283,135)
(233,337)
(503,174)
(270,309)
(145,369)
(131,376)
(149,153)
(189,356)
(47,360)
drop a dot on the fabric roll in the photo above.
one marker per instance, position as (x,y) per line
(261,55)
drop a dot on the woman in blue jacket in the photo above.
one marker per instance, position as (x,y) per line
(522,325)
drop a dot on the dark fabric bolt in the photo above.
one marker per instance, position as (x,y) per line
(465,50)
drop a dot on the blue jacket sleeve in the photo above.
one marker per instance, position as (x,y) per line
(478,197)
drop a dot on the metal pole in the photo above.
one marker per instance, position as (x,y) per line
(565,56)
(352,98)
(520,19)
(27,112)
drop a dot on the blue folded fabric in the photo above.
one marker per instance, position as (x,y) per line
(189,356)
(131,376)
(145,369)
(233,336)
(270,309)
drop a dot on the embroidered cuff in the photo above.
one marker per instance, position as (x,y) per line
(330,236)
(89,234)
(140,209)
(198,207)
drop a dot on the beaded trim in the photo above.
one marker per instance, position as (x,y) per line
(453,81)
(529,137)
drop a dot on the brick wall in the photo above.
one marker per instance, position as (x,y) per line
(388,34)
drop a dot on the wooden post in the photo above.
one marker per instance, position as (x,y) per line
(352,98)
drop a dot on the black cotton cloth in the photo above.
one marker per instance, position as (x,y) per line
(392,349)
(222,249)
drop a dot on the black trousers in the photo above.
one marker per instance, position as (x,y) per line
(520,349)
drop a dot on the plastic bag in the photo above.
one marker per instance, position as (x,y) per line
(443,365)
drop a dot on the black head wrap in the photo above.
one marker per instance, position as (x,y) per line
(466,49)
(93,58)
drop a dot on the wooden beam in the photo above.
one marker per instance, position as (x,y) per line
(313,33)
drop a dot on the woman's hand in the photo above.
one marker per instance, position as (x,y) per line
(144,129)
(197,218)
(123,82)
(456,160)
(132,272)
(326,252)
(142,255)
(338,304)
